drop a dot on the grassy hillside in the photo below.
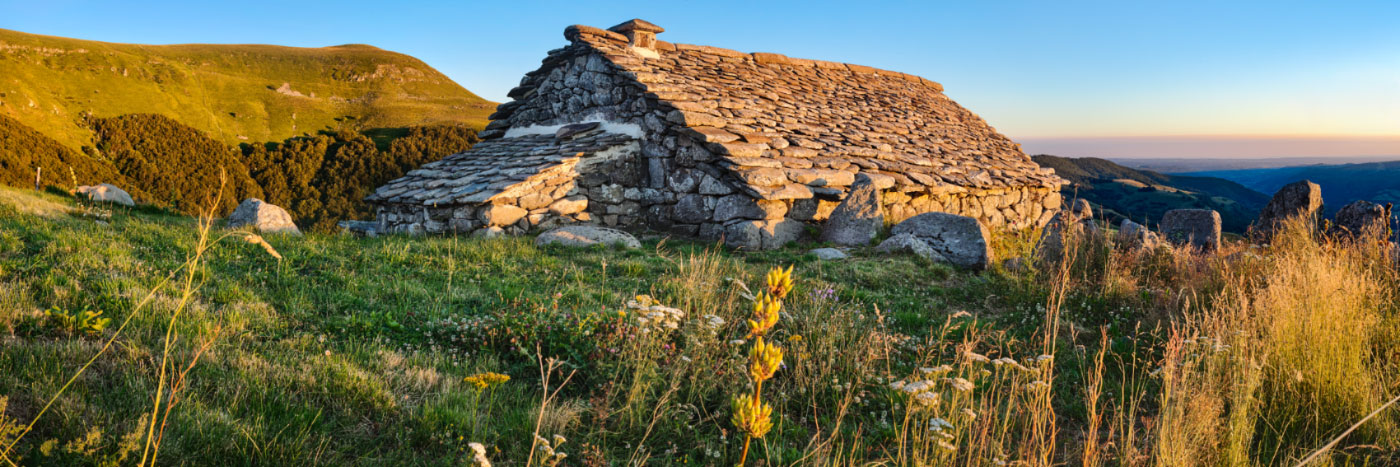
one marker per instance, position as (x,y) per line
(364,351)
(1341,183)
(235,93)
(1143,196)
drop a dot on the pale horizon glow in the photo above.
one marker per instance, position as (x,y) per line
(1101,73)
(1215,146)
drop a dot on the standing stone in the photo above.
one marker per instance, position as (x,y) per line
(961,240)
(858,218)
(587,235)
(107,193)
(263,217)
(1300,198)
(1356,217)
(1199,228)
(1074,223)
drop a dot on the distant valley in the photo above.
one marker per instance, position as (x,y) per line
(1143,196)
(1341,183)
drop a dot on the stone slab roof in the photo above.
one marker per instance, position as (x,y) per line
(767,113)
(497,167)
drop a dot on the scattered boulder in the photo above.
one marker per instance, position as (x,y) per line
(263,217)
(1294,199)
(858,218)
(829,254)
(961,240)
(908,243)
(361,228)
(1356,217)
(489,232)
(1199,228)
(1081,209)
(106,193)
(1132,235)
(587,235)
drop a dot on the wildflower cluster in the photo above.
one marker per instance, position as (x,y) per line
(479,455)
(750,414)
(487,380)
(652,315)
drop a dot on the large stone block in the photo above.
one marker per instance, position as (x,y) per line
(765,234)
(1199,228)
(502,214)
(962,240)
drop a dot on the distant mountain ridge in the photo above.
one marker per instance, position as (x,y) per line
(1144,196)
(1341,183)
(234,93)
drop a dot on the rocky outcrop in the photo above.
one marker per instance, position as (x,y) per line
(1300,198)
(1198,228)
(1361,215)
(910,244)
(585,236)
(858,218)
(106,193)
(262,217)
(960,240)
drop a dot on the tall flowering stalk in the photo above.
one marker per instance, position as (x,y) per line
(751,414)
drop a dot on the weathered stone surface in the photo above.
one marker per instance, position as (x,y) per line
(568,205)
(534,201)
(743,207)
(690,209)
(962,240)
(263,217)
(1300,198)
(1357,217)
(1199,228)
(360,228)
(489,232)
(1064,227)
(106,193)
(811,209)
(1133,235)
(587,235)
(858,218)
(908,243)
(501,215)
(765,234)
(829,254)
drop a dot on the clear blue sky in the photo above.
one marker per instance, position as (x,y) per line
(1035,70)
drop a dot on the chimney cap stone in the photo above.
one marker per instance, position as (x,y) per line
(637,24)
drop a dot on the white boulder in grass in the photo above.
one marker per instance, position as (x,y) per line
(263,217)
(107,193)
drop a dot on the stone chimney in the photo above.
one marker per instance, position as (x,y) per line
(640,33)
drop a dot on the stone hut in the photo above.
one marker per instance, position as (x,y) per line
(621,129)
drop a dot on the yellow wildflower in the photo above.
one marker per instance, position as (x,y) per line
(780,282)
(487,380)
(764,360)
(765,314)
(752,416)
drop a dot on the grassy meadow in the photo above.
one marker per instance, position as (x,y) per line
(449,351)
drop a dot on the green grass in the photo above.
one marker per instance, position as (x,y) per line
(227,91)
(353,350)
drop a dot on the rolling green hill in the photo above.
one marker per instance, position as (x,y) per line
(234,93)
(1144,195)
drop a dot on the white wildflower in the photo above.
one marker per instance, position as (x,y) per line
(961,384)
(969,413)
(1037,385)
(976,357)
(928,398)
(939,424)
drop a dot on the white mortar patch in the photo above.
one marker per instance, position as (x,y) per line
(623,128)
